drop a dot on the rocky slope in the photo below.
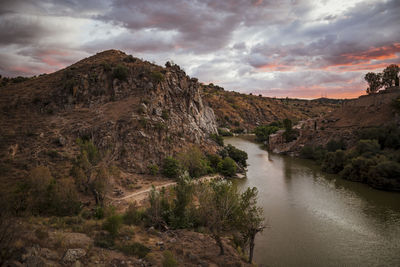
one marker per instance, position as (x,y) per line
(136,110)
(240,111)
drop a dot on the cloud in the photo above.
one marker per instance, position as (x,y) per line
(295,48)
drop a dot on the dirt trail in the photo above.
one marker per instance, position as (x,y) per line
(142,194)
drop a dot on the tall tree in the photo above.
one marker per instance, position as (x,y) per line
(390,75)
(219,204)
(251,219)
(374,81)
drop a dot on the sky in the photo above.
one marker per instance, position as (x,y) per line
(277,48)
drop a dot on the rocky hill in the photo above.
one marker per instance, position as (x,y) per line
(241,111)
(136,110)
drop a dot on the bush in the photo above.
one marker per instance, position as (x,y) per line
(214,160)
(223,132)
(227,167)
(133,215)
(157,76)
(334,145)
(194,162)
(104,240)
(367,147)
(171,168)
(218,139)
(135,249)
(357,169)
(307,152)
(334,161)
(385,169)
(263,132)
(120,72)
(169,260)
(153,169)
(113,224)
(237,155)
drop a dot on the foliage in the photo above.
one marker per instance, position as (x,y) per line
(218,139)
(357,169)
(385,169)
(194,162)
(213,161)
(223,132)
(168,259)
(263,132)
(159,212)
(153,169)
(120,72)
(250,218)
(181,216)
(218,209)
(157,76)
(334,145)
(334,161)
(390,75)
(104,240)
(237,155)
(374,81)
(133,215)
(367,147)
(171,168)
(113,224)
(135,249)
(227,167)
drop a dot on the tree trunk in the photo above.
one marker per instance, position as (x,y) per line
(251,248)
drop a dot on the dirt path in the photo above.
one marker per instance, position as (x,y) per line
(142,194)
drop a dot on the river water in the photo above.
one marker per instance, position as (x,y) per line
(316,219)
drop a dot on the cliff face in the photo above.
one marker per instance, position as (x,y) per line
(137,111)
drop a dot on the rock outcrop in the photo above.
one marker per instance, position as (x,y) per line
(137,111)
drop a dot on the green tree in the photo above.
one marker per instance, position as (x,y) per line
(194,162)
(251,219)
(390,75)
(227,167)
(374,81)
(237,155)
(171,168)
(113,224)
(218,205)
(120,72)
(263,132)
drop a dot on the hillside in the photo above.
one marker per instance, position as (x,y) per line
(139,111)
(241,111)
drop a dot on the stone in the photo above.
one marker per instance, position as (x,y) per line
(73,255)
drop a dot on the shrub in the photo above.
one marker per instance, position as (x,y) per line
(357,169)
(113,224)
(153,169)
(171,167)
(224,132)
(334,145)
(237,155)
(104,240)
(135,249)
(385,169)
(120,72)
(218,139)
(263,132)
(213,160)
(307,152)
(334,162)
(194,162)
(227,167)
(168,259)
(133,215)
(157,76)
(367,147)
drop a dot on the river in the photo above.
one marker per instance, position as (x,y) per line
(316,219)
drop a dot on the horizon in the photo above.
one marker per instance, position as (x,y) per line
(302,49)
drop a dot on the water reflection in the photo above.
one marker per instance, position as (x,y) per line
(318,219)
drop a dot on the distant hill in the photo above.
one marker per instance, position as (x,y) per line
(242,111)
